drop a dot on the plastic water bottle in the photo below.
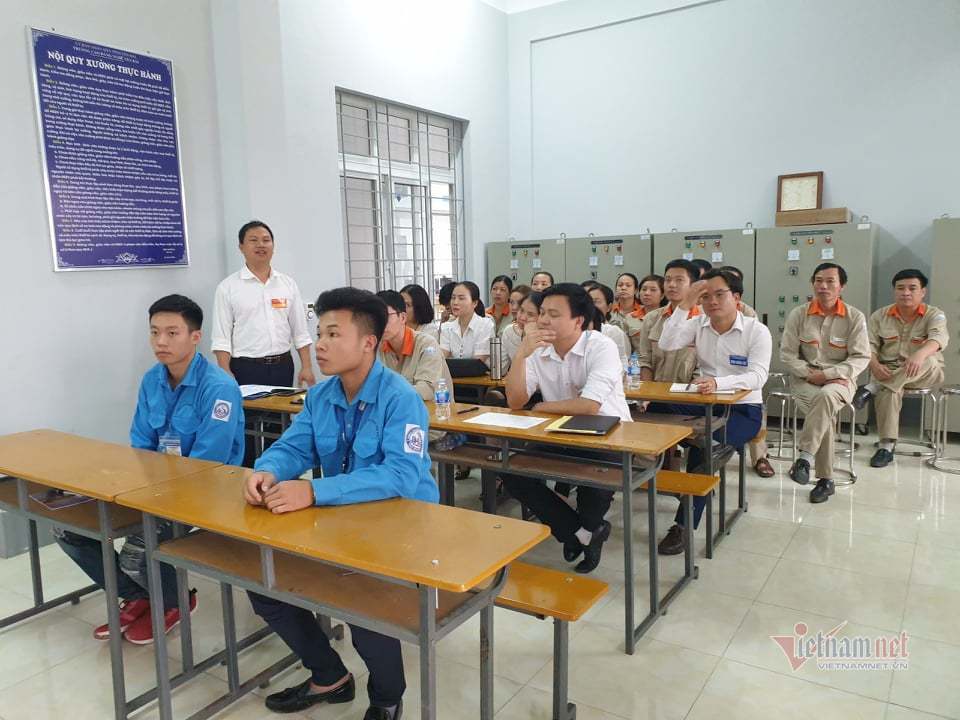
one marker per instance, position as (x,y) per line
(441,399)
(633,372)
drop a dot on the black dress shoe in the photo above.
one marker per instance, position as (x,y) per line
(673,542)
(800,472)
(379,713)
(822,491)
(881,458)
(572,549)
(861,397)
(591,553)
(299,697)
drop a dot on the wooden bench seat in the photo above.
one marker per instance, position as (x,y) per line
(688,486)
(696,423)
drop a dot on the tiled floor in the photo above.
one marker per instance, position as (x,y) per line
(882,556)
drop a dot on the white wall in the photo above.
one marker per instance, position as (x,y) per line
(280,113)
(74,345)
(626,117)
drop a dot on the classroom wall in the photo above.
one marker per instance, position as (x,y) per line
(662,114)
(75,344)
(278,114)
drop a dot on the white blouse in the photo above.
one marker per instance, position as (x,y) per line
(475,342)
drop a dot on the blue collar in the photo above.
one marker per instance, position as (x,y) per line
(192,378)
(368,391)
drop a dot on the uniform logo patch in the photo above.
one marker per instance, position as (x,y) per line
(413,440)
(430,350)
(222,410)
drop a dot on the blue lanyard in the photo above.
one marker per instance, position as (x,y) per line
(348,440)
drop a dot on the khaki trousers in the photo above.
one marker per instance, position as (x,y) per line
(888,400)
(820,405)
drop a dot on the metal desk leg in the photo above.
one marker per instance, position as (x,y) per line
(183,603)
(428,653)
(488,490)
(743,480)
(689,570)
(708,438)
(709,510)
(156,614)
(230,636)
(486,663)
(563,709)
(628,569)
(35,564)
(113,609)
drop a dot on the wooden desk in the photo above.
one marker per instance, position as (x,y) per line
(276,404)
(49,459)
(483,381)
(427,548)
(660,392)
(626,440)
(259,413)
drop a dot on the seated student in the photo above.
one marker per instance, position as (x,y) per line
(651,294)
(420,315)
(513,334)
(825,346)
(627,313)
(655,362)
(759,451)
(443,297)
(365,427)
(467,334)
(602,297)
(578,372)
(541,280)
(415,355)
(499,310)
(186,406)
(907,340)
(733,353)
(702,266)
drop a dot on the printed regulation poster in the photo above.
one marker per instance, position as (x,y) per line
(108,132)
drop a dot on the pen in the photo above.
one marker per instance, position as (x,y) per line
(469,409)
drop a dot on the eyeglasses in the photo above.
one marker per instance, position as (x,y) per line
(392,313)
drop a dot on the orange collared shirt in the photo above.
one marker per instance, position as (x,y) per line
(894,311)
(815,309)
(639,311)
(407,347)
(492,311)
(668,311)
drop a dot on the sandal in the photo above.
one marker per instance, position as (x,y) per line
(764,469)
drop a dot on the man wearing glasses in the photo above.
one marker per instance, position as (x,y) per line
(733,353)
(825,345)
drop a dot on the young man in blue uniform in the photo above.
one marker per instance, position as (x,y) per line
(186,406)
(366,427)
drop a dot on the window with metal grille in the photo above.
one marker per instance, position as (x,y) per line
(401,181)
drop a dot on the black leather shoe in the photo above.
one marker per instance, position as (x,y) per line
(299,697)
(378,713)
(591,553)
(572,549)
(861,397)
(881,458)
(800,472)
(822,491)
(673,542)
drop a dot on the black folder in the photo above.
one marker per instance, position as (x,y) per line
(584,424)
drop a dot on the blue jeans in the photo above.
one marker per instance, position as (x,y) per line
(742,426)
(131,564)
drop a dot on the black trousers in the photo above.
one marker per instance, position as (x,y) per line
(301,631)
(250,372)
(551,509)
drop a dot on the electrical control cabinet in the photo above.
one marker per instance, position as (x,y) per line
(519,260)
(604,258)
(720,247)
(945,294)
(786,259)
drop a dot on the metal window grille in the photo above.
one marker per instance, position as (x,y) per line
(401,181)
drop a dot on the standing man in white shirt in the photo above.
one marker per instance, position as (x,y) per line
(258,315)
(578,372)
(733,353)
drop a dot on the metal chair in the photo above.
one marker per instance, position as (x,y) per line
(920,441)
(940,428)
(780,393)
(847,452)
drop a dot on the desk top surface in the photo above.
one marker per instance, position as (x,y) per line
(93,468)
(638,438)
(660,392)
(276,403)
(444,547)
(479,381)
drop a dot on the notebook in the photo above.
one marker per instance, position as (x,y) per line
(255,392)
(691,388)
(584,424)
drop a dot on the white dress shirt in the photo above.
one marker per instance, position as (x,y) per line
(475,342)
(739,359)
(591,370)
(620,339)
(256,319)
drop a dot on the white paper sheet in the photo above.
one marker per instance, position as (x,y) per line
(248,390)
(518,422)
(691,388)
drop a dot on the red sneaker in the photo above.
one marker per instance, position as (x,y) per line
(141,631)
(130,611)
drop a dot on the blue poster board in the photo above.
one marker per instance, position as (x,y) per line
(111,156)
